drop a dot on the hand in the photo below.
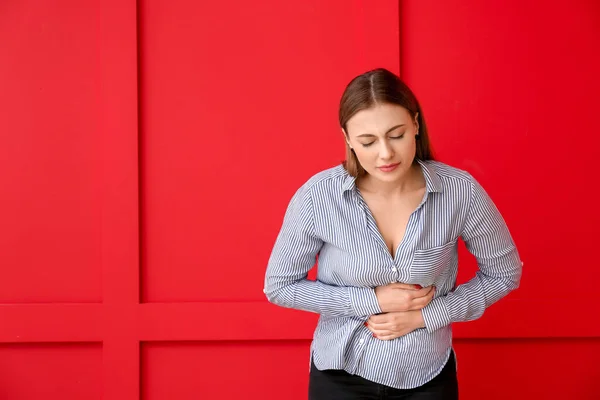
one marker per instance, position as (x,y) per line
(403,297)
(392,325)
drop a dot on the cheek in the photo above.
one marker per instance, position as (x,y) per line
(407,148)
(364,155)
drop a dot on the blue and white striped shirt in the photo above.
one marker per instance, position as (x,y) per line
(328,218)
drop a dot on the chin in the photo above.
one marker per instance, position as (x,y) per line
(398,173)
(387,176)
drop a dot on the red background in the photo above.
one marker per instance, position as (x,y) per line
(148,151)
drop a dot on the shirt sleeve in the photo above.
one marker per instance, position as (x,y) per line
(294,254)
(499,266)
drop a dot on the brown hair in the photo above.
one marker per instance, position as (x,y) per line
(374,87)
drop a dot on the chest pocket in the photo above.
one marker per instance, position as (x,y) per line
(428,264)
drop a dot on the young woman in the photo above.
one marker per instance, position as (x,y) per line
(385,226)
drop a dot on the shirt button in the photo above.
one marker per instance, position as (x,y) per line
(361,341)
(394,269)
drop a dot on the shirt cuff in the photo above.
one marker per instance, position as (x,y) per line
(363,301)
(436,315)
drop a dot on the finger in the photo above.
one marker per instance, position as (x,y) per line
(386,334)
(380,326)
(404,286)
(422,292)
(375,325)
(369,326)
(379,333)
(379,318)
(421,302)
(389,336)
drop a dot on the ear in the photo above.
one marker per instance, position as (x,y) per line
(346,137)
(417,121)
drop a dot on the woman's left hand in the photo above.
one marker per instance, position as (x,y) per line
(392,325)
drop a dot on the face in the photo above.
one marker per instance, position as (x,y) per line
(383,138)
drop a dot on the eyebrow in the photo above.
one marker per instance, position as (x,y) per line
(388,131)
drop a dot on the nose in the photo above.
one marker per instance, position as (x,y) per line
(385,151)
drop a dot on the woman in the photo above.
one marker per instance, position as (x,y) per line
(385,226)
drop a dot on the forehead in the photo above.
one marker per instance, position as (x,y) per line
(377,119)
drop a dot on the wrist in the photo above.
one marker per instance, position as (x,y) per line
(383,306)
(419,320)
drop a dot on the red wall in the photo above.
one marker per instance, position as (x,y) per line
(510,92)
(148,151)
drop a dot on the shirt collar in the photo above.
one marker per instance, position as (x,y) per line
(432,180)
(348,183)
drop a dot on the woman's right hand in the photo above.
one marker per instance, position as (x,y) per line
(403,297)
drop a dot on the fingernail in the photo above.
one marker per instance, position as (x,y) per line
(374,335)
(366,324)
(419,286)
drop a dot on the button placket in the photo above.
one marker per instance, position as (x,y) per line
(362,345)
(403,257)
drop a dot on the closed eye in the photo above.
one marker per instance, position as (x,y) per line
(391,137)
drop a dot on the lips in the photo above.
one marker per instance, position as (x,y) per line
(389,166)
